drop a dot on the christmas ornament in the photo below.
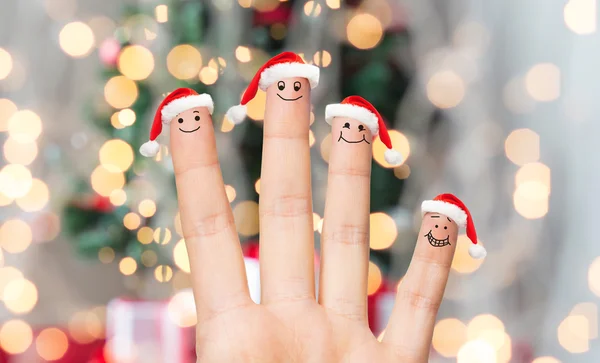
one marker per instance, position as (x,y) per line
(454,209)
(179,101)
(279,68)
(356,108)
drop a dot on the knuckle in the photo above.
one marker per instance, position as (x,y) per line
(350,172)
(419,300)
(347,234)
(182,171)
(347,309)
(209,225)
(288,205)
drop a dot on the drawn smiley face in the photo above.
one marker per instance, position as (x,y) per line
(352,131)
(440,228)
(292,89)
(189,121)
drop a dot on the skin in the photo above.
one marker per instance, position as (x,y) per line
(290,325)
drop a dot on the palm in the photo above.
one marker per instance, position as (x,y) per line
(291,324)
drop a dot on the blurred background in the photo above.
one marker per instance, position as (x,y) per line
(493,101)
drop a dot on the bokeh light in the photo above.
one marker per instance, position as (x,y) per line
(51,344)
(15,336)
(163,273)
(106,255)
(476,351)
(375,278)
(208,75)
(364,31)
(312,8)
(184,62)
(227,125)
(402,171)
(15,236)
(399,142)
(120,92)
(588,310)
(243,54)
(530,201)
(257,186)
(127,266)
(126,117)
(118,197)
(448,336)
(446,89)
(20,296)
(15,180)
(246,218)
(36,198)
(256,107)
(231,193)
(522,146)
(7,109)
(136,62)
(383,231)
(546,359)
(581,16)
(488,328)
(85,327)
(180,256)
(16,152)
(8,274)
(104,181)
(145,235)
(316,220)
(147,208)
(162,236)
(161,13)
(76,39)
(116,155)
(333,4)
(462,262)
(322,58)
(182,309)
(131,221)
(535,176)
(594,276)
(265,5)
(24,126)
(149,258)
(543,82)
(6,63)
(573,334)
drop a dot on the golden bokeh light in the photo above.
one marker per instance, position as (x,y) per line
(488,328)
(256,107)
(161,13)
(333,4)
(448,336)
(162,236)
(402,171)
(136,62)
(476,351)
(245,3)
(8,274)
(257,186)
(573,334)
(218,64)
(36,198)
(145,235)
(316,219)
(208,75)
(116,155)
(7,109)
(374,279)
(184,62)
(246,218)
(4,199)
(182,309)
(312,8)
(543,82)
(265,5)
(231,194)
(522,146)
(463,262)
(534,175)
(126,117)
(85,327)
(594,276)
(6,63)
(120,92)
(589,310)
(118,197)
(104,181)
(320,225)
(322,58)
(400,144)
(20,296)
(15,236)
(51,344)
(15,181)
(15,336)
(163,273)
(243,54)
(383,231)
(149,258)
(581,16)
(115,121)
(106,255)
(127,266)
(76,39)
(326,148)
(16,152)
(445,89)
(147,208)
(364,31)
(278,31)
(226,125)
(530,200)
(132,221)
(546,359)
(311,138)
(180,256)
(24,126)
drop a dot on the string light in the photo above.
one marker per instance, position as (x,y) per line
(161,13)
(243,54)
(364,31)
(127,266)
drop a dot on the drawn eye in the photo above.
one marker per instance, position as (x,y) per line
(436,226)
(445,227)
(180,120)
(197,118)
(361,128)
(281,85)
(297,86)
(346,125)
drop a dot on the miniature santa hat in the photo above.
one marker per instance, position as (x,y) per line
(284,65)
(450,206)
(182,99)
(358,108)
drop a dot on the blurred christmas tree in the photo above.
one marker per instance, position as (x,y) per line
(111,216)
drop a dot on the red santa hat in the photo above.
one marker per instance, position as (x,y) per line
(450,206)
(361,110)
(284,65)
(182,99)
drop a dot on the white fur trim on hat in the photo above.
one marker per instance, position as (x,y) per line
(393,157)
(149,148)
(449,210)
(358,113)
(236,114)
(179,105)
(477,251)
(289,70)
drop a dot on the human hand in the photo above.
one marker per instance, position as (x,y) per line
(291,324)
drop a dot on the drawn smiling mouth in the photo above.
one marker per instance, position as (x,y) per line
(353,142)
(290,99)
(437,242)
(189,132)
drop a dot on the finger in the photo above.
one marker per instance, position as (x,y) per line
(345,237)
(286,224)
(216,261)
(421,290)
